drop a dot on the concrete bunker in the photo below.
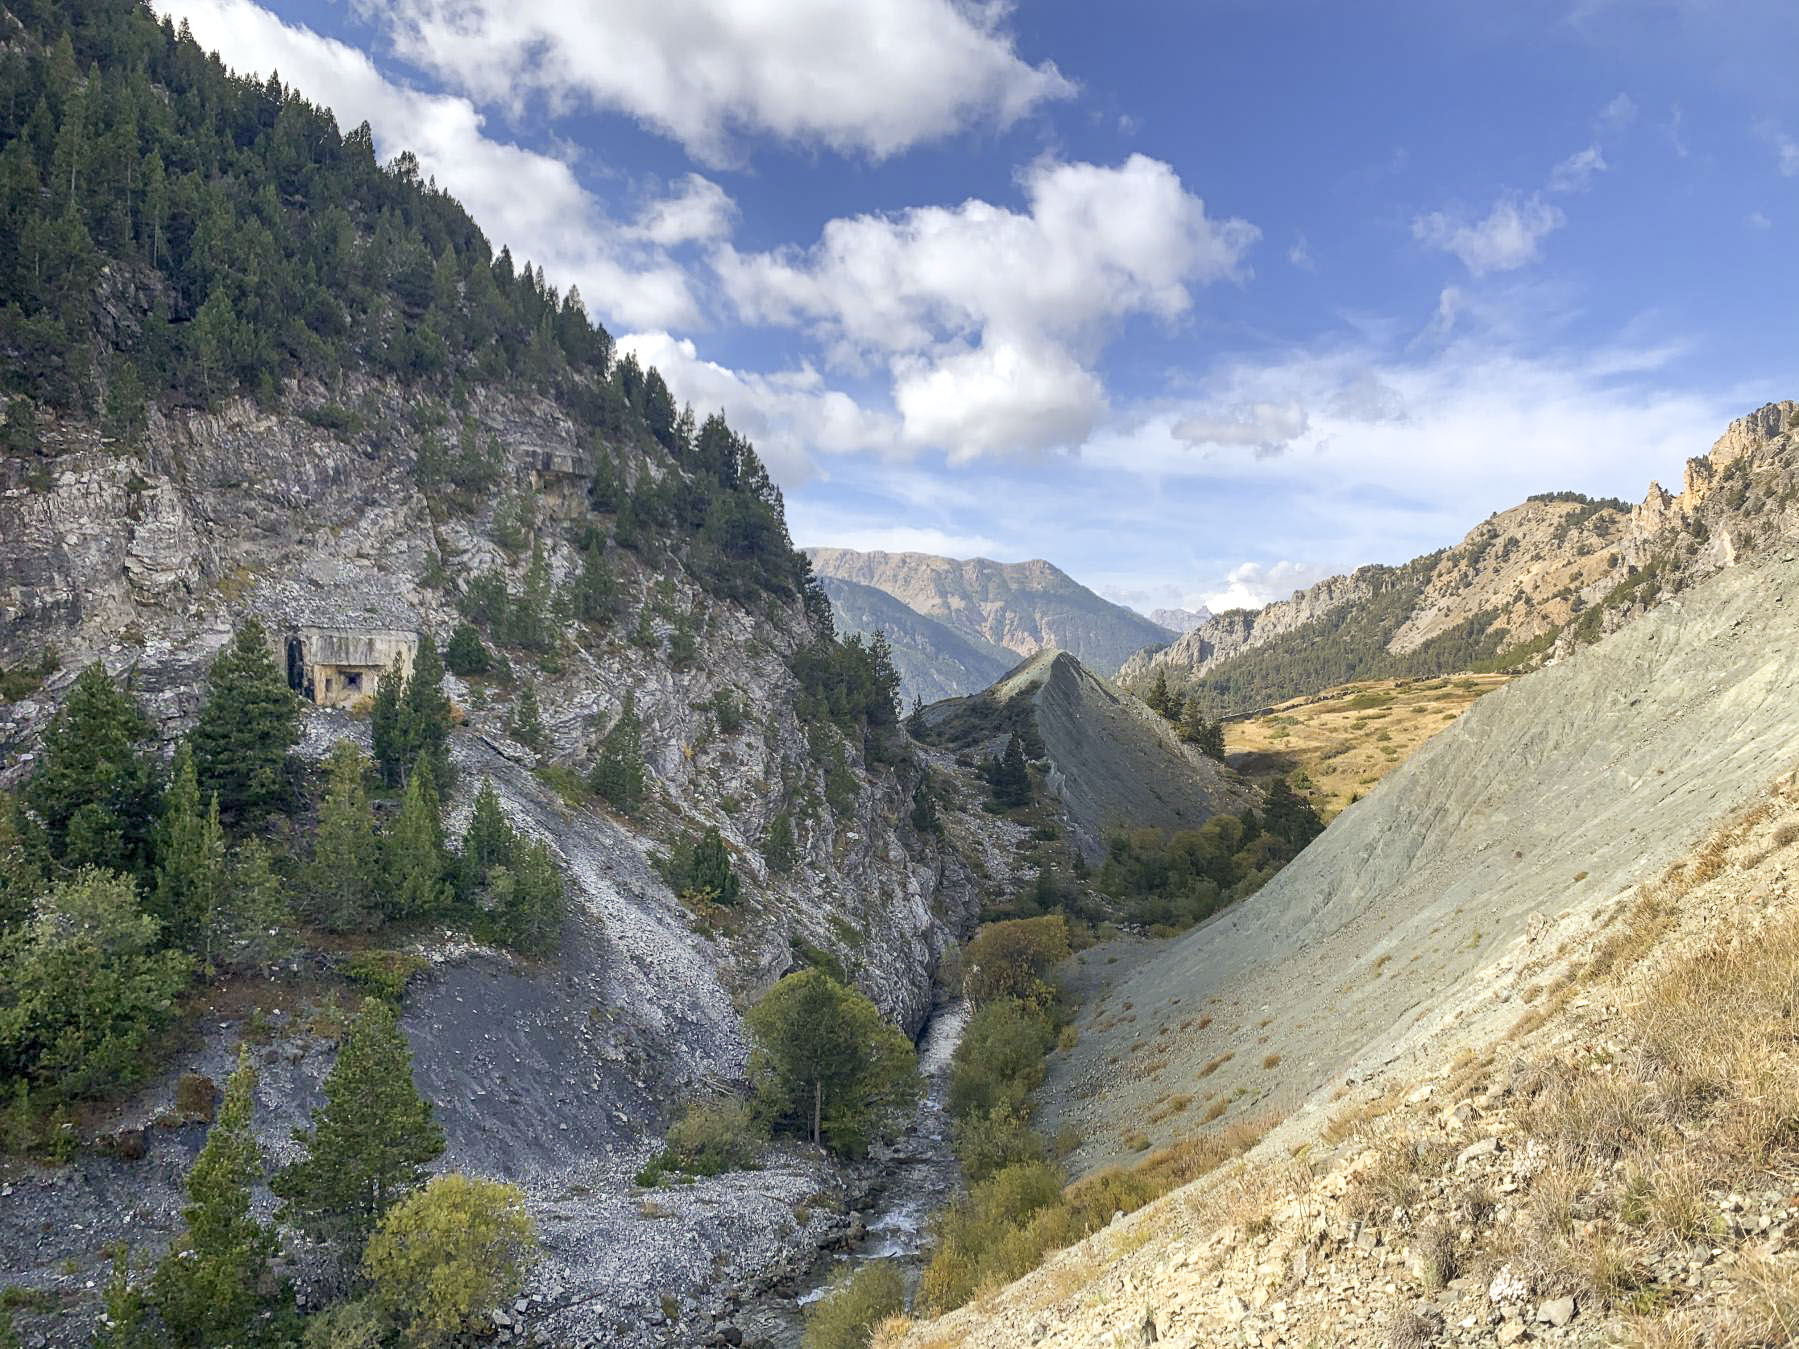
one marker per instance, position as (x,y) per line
(342,666)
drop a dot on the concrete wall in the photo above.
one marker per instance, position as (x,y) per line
(339,667)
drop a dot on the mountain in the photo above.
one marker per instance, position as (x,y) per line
(1112,763)
(1022,606)
(1529,584)
(1525,928)
(934,660)
(1179,620)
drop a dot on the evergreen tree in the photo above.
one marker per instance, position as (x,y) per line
(1289,816)
(779,848)
(465,655)
(1208,736)
(529,618)
(596,590)
(618,777)
(346,856)
(924,807)
(425,712)
(260,917)
(96,795)
(1009,776)
(208,1290)
(368,1144)
(915,722)
(527,720)
(825,1065)
(247,725)
(710,874)
(490,839)
(1159,700)
(189,896)
(386,728)
(125,1324)
(528,899)
(415,852)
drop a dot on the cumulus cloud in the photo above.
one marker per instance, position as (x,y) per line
(697,211)
(989,319)
(786,413)
(872,76)
(1251,585)
(531,201)
(1508,237)
(1265,428)
(1575,173)
(1619,113)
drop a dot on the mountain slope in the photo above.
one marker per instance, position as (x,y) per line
(934,660)
(1552,796)
(1531,582)
(1022,606)
(1112,762)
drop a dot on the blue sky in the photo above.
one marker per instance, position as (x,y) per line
(1201,301)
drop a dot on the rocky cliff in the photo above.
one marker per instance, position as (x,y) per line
(1527,584)
(144,555)
(1022,606)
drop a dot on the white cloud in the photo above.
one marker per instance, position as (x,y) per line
(873,76)
(1759,220)
(1251,585)
(1300,255)
(1617,114)
(1786,150)
(1507,238)
(1575,173)
(785,414)
(698,211)
(988,319)
(1265,428)
(529,201)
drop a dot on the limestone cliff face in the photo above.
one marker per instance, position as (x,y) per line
(145,556)
(1022,606)
(1538,579)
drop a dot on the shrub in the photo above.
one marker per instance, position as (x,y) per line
(858,1300)
(699,869)
(999,1061)
(1016,959)
(715,1136)
(443,1256)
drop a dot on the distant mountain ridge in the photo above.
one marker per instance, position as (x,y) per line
(1024,607)
(934,660)
(1526,585)
(1180,620)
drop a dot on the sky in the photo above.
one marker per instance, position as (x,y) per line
(1200,300)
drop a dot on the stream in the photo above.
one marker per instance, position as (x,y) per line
(921,1176)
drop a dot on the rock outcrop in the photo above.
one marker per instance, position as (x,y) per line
(934,660)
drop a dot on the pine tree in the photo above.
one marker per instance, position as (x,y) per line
(189,896)
(346,856)
(528,899)
(915,723)
(415,852)
(924,807)
(125,1324)
(96,795)
(527,720)
(710,875)
(1010,776)
(368,1144)
(425,712)
(249,722)
(386,729)
(596,592)
(260,917)
(490,839)
(779,848)
(208,1289)
(465,655)
(1159,700)
(618,777)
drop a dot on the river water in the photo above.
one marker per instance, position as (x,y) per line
(921,1176)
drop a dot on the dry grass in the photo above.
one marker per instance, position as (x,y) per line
(1271,1061)
(1216,1064)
